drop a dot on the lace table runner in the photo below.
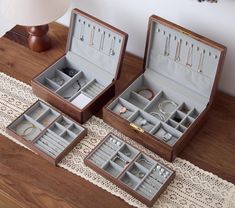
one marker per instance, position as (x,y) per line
(192,187)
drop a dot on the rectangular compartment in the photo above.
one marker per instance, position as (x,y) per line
(180,76)
(134,173)
(83,80)
(44,130)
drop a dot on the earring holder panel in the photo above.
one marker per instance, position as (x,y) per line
(55,139)
(130,169)
(95,52)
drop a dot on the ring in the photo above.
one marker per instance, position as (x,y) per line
(156,114)
(164,103)
(143,122)
(142,92)
(77,87)
(122,110)
(58,80)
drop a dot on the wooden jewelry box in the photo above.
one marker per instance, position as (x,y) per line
(165,106)
(83,80)
(130,169)
(47,132)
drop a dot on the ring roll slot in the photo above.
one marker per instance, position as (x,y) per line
(146,190)
(145,161)
(166,133)
(48,117)
(181,128)
(68,136)
(57,128)
(194,113)
(57,138)
(136,99)
(65,122)
(187,121)
(73,86)
(122,108)
(113,169)
(37,110)
(162,104)
(93,88)
(143,120)
(130,180)
(75,128)
(107,149)
(53,141)
(128,151)
(26,127)
(46,150)
(178,117)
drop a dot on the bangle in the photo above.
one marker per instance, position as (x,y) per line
(31,128)
(162,105)
(149,92)
(158,115)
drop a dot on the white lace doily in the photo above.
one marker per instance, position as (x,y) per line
(192,187)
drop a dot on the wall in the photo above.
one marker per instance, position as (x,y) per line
(215,21)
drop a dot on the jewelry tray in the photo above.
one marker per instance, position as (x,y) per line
(46,131)
(181,72)
(83,80)
(130,169)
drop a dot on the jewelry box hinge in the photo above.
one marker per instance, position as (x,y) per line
(137,128)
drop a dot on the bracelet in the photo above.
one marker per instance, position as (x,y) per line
(151,93)
(163,104)
(31,128)
(158,115)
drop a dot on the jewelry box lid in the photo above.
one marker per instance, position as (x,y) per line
(183,56)
(97,42)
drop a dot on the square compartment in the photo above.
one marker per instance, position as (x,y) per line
(178,116)
(184,108)
(172,123)
(75,129)
(129,151)
(68,136)
(187,122)
(137,171)
(58,77)
(120,160)
(64,122)
(181,128)
(112,169)
(130,180)
(194,113)
(57,128)
(37,110)
(48,117)
(145,161)
(137,100)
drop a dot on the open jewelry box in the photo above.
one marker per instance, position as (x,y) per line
(46,131)
(164,106)
(83,80)
(130,169)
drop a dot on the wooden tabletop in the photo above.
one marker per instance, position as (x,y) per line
(27,180)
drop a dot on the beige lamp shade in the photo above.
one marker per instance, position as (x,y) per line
(33,12)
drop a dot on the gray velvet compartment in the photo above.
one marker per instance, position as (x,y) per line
(128,165)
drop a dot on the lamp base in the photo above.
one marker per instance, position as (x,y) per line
(38,39)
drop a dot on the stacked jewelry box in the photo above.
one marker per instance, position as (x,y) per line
(83,80)
(165,106)
(46,131)
(130,169)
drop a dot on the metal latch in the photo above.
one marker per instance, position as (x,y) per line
(137,127)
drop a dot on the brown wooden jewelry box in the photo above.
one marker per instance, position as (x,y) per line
(166,105)
(46,131)
(94,57)
(130,169)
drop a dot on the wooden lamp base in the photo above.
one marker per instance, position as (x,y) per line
(38,39)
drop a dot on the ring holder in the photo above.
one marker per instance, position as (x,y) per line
(46,131)
(83,80)
(127,167)
(173,95)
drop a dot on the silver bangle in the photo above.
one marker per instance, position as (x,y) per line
(163,104)
(158,115)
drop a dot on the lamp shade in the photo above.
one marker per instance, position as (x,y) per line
(33,12)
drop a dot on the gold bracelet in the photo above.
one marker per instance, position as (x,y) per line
(25,134)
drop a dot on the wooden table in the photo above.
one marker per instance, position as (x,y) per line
(26,180)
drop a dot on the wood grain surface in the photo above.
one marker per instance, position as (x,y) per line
(26,180)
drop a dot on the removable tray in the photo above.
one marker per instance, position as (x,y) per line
(46,131)
(130,169)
